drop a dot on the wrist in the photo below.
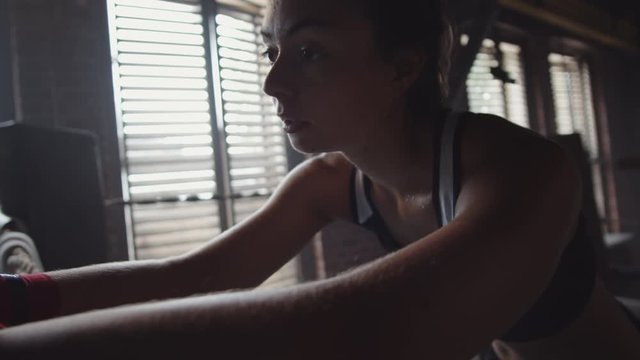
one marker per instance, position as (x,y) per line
(26,298)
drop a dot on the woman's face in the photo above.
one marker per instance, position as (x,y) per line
(330,85)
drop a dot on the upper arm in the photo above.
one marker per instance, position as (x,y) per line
(249,252)
(468,282)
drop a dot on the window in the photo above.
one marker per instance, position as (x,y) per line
(201,146)
(495,84)
(574,112)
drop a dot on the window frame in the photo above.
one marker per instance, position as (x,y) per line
(505,32)
(585,53)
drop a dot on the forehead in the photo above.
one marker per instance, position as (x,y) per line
(283,15)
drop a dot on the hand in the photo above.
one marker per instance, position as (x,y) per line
(19,262)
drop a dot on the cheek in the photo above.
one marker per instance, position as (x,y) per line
(358,94)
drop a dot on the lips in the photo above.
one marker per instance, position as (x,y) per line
(293,126)
(289,123)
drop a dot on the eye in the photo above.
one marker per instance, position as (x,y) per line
(271,54)
(307,53)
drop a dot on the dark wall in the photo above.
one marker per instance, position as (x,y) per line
(62,53)
(6,80)
(620,76)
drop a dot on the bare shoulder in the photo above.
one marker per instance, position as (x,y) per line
(322,169)
(504,166)
(322,182)
(490,141)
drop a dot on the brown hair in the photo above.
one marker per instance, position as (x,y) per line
(415,24)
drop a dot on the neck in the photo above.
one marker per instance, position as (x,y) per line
(398,159)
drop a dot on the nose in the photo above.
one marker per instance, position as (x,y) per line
(278,82)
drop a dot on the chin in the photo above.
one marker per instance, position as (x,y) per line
(307,146)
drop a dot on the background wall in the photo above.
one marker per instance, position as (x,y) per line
(63,79)
(621,76)
(6,79)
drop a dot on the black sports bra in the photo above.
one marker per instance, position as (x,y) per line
(568,292)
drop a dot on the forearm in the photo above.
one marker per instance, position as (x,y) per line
(413,304)
(112,284)
(356,315)
(281,324)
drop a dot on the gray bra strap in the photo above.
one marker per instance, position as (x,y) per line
(447,194)
(362,205)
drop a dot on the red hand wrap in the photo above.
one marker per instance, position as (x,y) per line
(43,296)
(26,298)
(5,301)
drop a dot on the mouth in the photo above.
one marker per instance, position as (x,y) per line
(291,126)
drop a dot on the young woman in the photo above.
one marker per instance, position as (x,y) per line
(481,218)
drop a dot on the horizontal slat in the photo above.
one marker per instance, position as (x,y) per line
(168,60)
(269,132)
(156,14)
(146,229)
(177,188)
(165,72)
(169,95)
(239,76)
(254,185)
(162,26)
(160,37)
(159,49)
(149,168)
(235,33)
(174,210)
(273,167)
(243,87)
(183,240)
(254,141)
(174,5)
(166,118)
(255,153)
(236,20)
(169,250)
(266,178)
(238,65)
(241,97)
(167,130)
(173,142)
(237,44)
(162,83)
(258,171)
(249,109)
(246,118)
(170,177)
(169,155)
(165,106)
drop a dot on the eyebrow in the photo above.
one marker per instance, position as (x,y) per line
(309,22)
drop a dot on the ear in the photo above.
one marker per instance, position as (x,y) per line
(409,64)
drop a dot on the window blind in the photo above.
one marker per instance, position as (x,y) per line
(161,84)
(191,172)
(574,112)
(254,140)
(493,95)
(571,85)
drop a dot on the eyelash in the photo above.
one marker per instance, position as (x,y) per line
(267,55)
(305,52)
